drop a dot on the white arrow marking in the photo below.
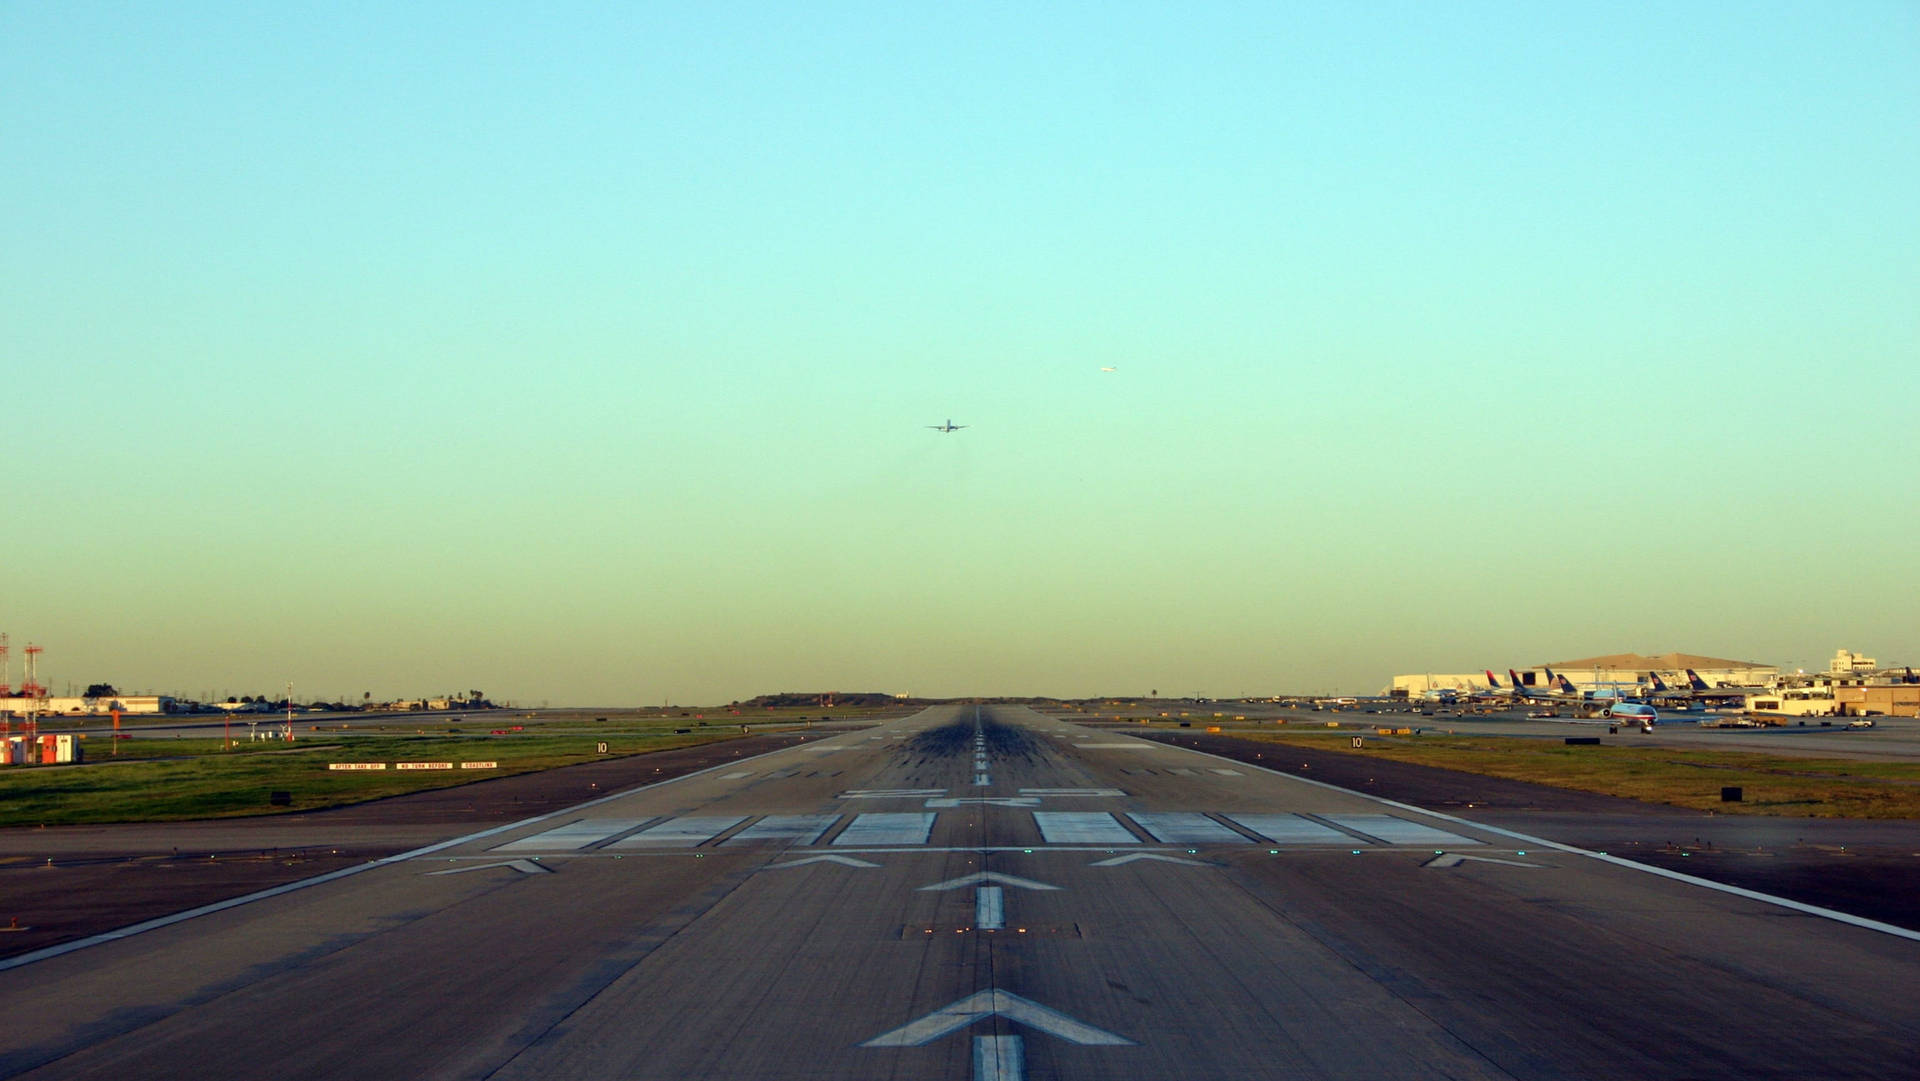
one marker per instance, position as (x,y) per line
(847,861)
(1455,859)
(980,780)
(998,1058)
(525,867)
(990,1003)
(979,878)
(992,801)
(1118,860)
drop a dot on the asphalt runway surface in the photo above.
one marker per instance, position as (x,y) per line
(981,892)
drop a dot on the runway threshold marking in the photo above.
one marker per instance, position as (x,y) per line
(1185,828)
(1082,827)
(795,829)
(689,831)
(994,1002)
(574,835)
(887,829)
(1398,831)
(988,801)
(1290,829)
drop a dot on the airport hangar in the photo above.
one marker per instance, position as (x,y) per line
(1621,670)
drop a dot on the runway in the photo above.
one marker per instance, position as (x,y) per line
(980,892)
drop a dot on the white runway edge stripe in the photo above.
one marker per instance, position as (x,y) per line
(1541,842)
(345,872)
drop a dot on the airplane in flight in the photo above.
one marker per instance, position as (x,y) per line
(1108,368)
(949,426)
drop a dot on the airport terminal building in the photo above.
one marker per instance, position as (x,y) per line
(1628,673)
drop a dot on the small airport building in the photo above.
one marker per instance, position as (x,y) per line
(1854,685)
(71,706)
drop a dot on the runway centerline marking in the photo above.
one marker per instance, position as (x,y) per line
(989,908)
(999,1058)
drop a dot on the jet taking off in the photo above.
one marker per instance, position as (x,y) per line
(949,426)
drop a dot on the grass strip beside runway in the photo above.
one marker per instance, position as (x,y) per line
(1820,788)
(174,780)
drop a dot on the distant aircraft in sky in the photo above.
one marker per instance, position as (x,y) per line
(1109,368)
(949,426)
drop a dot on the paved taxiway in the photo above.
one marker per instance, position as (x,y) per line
(1002,897)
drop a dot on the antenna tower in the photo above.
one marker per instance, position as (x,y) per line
(30,686)
(6,668)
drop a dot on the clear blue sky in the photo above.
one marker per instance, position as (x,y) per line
(583,353)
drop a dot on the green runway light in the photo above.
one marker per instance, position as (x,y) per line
(1273,852)
(1355,851)
(1028,851)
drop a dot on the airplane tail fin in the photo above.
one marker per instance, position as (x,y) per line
(1493,681)
(1694,681)
(1659,685)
